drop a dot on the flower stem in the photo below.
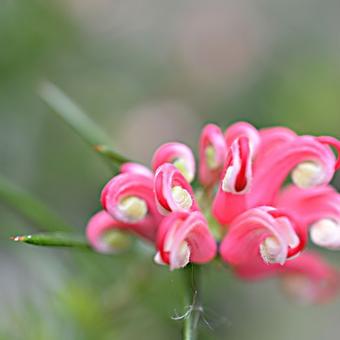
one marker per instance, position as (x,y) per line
(192,283)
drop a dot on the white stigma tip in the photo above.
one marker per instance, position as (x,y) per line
(181,197)
(133,208)
(326,233)
(181,258)
(270,250)
(307,175)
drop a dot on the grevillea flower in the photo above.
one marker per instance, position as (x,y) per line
(172,191)
(212,151)
(179,155)
(184,237)
(318,210)
(106,235)
(262,224)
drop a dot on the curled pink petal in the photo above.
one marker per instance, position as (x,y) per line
(309,278)
(243,129)
(179,155)
(310,162)
(183,238)
(317,209)
(102,233)
(212,150)
(261,235)
(136,168)
(237,175)
(331,141)
(129,198)
(272,139)
(172,191)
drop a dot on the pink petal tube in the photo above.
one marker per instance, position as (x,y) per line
(310,162)
(129,198)
(184,238)
(272,139)
(178,154)
(309,279)
(136,168)
(104,235)
(243,129)
(230,199)
(212,151)
(261,235)
(317,209)
(172,191)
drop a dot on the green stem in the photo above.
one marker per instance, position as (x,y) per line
(192,281)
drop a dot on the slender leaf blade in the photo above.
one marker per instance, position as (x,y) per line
(78,120)
(30,207)
(54,239)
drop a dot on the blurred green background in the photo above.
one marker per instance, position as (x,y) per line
(149,71)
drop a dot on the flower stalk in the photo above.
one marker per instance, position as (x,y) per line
(193,301)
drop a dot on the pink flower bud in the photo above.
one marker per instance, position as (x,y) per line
(105,234)
(309,279)
(179,155)
(136,168)
(263,235)
(129,199)
(183,238)
(212,149)
(172,191)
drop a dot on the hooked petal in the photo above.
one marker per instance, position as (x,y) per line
(260,235)
(179,155)
(316,209)
(212,150)
(105,234)
(311,163)
(243,129)
(136,168)
(230,199)
(309,278)
(172,191)
(129,198)
(183,238)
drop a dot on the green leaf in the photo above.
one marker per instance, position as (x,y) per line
(54,239)
(30,208)
(79,121)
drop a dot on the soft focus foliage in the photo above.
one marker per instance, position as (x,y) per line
(137,66)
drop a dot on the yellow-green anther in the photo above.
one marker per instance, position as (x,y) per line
(210,156)
(133,208)
(181,197)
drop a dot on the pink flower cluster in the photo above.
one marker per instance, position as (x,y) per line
(239,207)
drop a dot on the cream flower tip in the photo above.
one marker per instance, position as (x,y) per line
(181,257)
(133,208)
(307,174)
(210,155)
(182,166)
(326,233)
(115,241)
(270,250)
(181,197)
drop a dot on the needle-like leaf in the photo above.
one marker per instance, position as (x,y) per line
(80,122)
(54,239)
(30,207)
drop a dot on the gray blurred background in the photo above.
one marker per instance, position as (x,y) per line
(150,71)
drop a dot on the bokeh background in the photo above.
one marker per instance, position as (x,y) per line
(149,71)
